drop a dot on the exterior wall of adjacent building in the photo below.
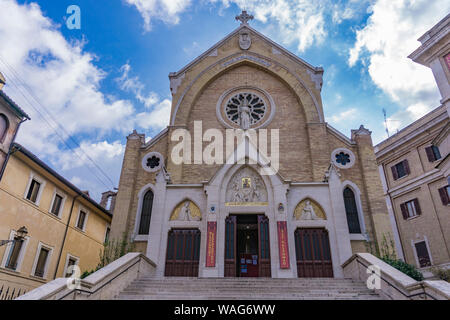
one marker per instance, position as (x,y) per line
(422,183)
(45,228)
(14,121)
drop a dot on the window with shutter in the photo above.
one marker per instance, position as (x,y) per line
(433,153)
(410,209)
(81,220)
(41,263)
(14,254)
(401,169)
(422,254)
(33,191)
(4,124)
(56,207)
(71,262)
(444,193)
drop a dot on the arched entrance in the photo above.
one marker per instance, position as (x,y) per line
(312,247)
(183,252)
(247,246)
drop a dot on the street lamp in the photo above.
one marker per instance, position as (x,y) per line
(20,235)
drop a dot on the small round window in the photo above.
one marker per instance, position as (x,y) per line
(152,162)
(343,158)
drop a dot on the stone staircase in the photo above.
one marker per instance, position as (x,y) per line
(247,289)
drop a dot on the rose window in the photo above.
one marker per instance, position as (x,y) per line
(153,162)
(256,105)
(342,158)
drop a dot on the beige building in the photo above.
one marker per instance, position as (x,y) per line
(197,211)
(65,226)
(415,166)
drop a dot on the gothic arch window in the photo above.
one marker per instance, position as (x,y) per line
(351,211)
(146,213)
(4,125)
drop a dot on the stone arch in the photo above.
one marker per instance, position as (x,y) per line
(196,214)
(311,107)
(316,206)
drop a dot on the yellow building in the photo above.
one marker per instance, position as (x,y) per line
(65,226)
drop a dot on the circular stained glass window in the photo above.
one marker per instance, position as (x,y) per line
(256,106)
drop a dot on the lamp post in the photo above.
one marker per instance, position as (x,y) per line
(20,235)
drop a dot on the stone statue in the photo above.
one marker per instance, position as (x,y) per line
(308,212)
(244,114)
(185,212)
(236,193)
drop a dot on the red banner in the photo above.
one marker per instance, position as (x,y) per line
(447,60)
(211,244)
(283,247)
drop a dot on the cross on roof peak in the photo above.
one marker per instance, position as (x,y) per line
(244,17)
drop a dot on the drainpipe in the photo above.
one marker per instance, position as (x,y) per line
(10,148)
(65,235)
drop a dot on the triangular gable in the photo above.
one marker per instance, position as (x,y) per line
(212,52)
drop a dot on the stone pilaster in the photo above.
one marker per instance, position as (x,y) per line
(126,193)
(373,190)
(320,155)
(339,216)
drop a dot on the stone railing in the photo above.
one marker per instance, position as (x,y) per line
(104,284)
(394,284)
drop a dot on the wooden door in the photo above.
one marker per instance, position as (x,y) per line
(313,253)
(264,246)
(230,246)
(183,252)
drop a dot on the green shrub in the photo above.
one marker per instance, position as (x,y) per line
(404,267)
(443,274)
(86,274)
(386,252)
(113,250)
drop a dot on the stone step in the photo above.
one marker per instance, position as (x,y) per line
(215,296)
(182,288)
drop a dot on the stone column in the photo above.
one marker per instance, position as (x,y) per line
(340,219)
(157,238)
(373,190)
(319,148)
(126,193)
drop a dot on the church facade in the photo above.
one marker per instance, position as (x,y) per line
(248,180)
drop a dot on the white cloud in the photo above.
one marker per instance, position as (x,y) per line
(158,116)
(165,10)
(300,21)
(386,41)
(297,21)
(61,76)
(98,151)
(66,82)
(346,115)
(135,86)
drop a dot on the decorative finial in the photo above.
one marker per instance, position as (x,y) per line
(244,17)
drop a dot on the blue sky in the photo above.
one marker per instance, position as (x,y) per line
(101,82)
